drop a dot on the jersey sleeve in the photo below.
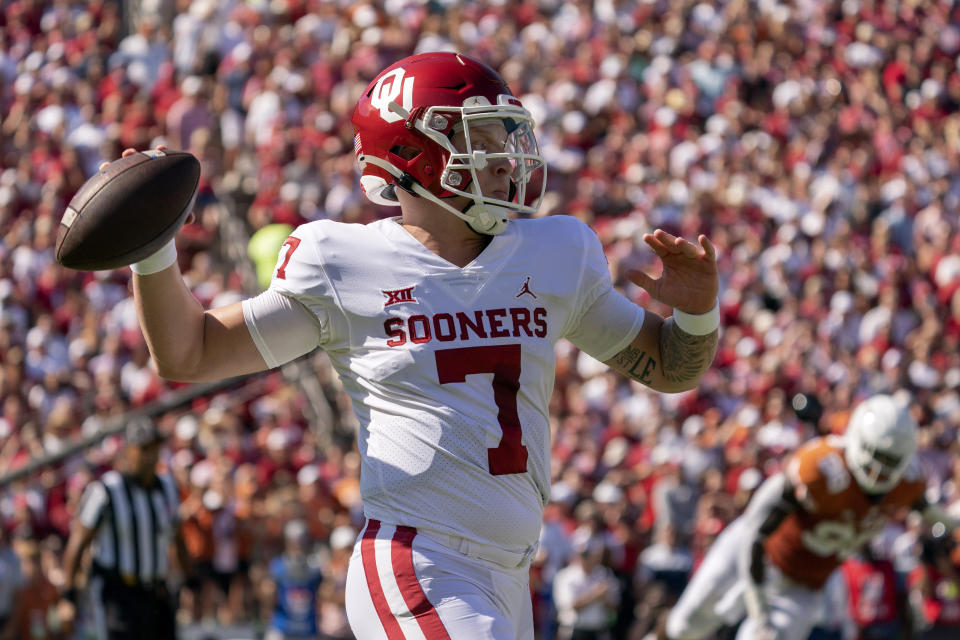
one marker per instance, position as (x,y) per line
(818,475)
(293,316)
(604,321)
(281,327)
(300,272)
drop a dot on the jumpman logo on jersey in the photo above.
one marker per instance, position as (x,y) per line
(526,288)
(399,296)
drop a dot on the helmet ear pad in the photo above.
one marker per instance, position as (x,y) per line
(422,163)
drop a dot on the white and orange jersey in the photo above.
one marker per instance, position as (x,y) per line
(450,370)
(835,517)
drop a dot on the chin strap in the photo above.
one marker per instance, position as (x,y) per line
(486,219)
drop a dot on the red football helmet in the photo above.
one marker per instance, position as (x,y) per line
(405,122)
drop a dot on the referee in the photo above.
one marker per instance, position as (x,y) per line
(130,517)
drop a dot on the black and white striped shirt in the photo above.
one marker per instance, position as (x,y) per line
(134,525)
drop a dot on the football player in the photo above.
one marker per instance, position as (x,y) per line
(834,495)
(441,323)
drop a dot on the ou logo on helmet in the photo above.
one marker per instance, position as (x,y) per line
(388,89)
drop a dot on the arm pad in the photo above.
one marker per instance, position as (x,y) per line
(282,328)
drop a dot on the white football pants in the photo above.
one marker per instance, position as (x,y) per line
(403,585)
(714,598)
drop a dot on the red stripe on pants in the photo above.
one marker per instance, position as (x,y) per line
(401,553)
(369,557)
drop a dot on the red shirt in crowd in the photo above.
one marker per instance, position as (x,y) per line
(873,591)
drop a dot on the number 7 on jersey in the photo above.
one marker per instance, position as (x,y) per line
(503,361)
(293,242)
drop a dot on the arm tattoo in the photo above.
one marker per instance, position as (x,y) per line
(685,357)
(637,363)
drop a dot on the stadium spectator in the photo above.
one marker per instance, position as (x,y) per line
(296,579)
(663,569)
(35,613)
(198,593)
(934,586)
(333,620)
(876,599)
(10,576)
(586,593)
(666,564)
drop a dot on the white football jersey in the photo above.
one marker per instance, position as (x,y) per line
(450,369)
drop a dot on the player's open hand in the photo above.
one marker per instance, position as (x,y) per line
(689,281)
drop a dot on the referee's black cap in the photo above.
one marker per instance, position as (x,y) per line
(142,432)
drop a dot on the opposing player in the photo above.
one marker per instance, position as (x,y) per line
(442,324)
(833,497)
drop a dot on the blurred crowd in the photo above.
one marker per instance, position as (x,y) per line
(817,144)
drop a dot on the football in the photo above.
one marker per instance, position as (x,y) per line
(128,210)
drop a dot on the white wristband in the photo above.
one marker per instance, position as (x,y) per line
(163,258)
(698,324)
